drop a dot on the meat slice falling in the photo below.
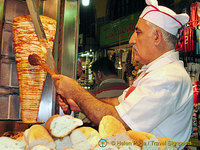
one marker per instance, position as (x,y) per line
(30,78)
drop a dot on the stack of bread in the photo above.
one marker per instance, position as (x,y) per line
(64,132)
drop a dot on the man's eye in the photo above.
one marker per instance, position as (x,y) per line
(138,32)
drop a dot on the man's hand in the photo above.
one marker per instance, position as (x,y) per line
(67,87)
(65,107)
(73,105)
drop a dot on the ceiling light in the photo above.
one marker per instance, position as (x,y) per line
(85,2)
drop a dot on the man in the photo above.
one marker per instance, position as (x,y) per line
(160,101)
(108,84)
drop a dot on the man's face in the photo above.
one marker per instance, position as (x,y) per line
(142,42)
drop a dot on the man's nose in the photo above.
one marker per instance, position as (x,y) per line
(132,39)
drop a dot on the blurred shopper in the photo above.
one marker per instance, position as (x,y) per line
(106,79)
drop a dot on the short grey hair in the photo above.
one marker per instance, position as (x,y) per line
(169,38)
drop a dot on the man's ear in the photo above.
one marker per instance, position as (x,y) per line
(157,37)
(99,74)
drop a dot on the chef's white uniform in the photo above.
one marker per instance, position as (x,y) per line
(162,101)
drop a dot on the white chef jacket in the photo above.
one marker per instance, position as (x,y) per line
(162,101)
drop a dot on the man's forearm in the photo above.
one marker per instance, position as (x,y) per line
(95,109)
(112,101)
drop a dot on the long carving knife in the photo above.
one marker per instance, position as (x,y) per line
(32,7)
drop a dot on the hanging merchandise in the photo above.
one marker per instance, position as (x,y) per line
(186,39)
(189,34)
(193,70)
(190,41)
(196,111)
(197,43)
(196,90)
(195,21)
(194,14)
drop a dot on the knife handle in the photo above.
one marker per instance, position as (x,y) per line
(68,112)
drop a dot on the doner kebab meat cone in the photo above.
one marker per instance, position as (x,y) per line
(30,78)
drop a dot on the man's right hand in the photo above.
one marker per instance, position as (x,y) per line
(65,107)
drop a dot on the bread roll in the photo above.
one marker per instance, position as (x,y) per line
(107,147)
(84,138)
(30,78)
(62,125)
(63,143)
(110,126)
(129,147)
(40,147)
(38,135)
(7,143)
(165,145)
(139,137)
(151,143)
(119,139)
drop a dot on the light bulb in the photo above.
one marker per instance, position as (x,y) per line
(85,2)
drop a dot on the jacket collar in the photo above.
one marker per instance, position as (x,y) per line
(166,58)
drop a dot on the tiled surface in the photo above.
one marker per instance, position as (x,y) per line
(10,107)
(14,78)
(15,112)
(10,104)
(4,107)
(14,8)
(7,47)
(5,74)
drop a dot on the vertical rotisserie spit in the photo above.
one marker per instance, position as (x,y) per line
(30,78)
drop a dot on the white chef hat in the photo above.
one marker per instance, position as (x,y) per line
(164,17)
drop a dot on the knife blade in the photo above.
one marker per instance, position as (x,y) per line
(32,7)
